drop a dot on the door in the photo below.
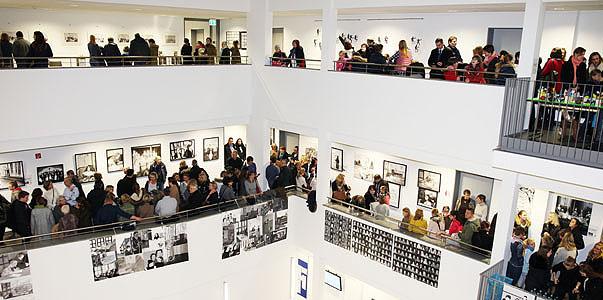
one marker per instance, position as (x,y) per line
(278,36)
(197,35)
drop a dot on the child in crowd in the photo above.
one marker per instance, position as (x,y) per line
(475,71)
(528,248)
(342,64)
(567,280)
(455,224)
(450,73)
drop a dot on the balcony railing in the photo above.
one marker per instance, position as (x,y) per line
(117,61)
(553,120)
(495,286)
(308,64)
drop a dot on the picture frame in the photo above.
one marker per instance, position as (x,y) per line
(570,207)
(394,195)
(337,159)
(85,166)
(427,198)
(394,172)
(364,166)
(11,171)
(54,173)
(211,149)
(180,150)
(123,38)
(115,160)
(429,180)
(243,40)
(143,157)
(169,39)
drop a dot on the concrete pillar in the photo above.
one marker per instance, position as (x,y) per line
(259,32)
(533,22)
(506,216)
(329,35)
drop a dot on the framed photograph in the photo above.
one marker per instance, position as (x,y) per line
(11,171)
(123,38)
(115,160)
(182,150)
(243,40)
(71,38)
(337,159)
(85,166)
(143,157)
(394,172)
(170,39)
(429,180)
(54,173)
(427,198)
(568,208)
(364,167)
(211,149)
(16,279)
(100,37)
(394,195)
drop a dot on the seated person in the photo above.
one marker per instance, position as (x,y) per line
(380,209)
(417,223)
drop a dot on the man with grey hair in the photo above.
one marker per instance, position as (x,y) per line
(159,167)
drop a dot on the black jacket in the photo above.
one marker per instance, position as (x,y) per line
(449,53)
(42,52)
(195,200)
(111,50)
(225,56)
(491,67)
(186,50)
(434,58)
(539,275)
(284,178)
(139,47)
(567,72)
(96,198)
(125,186)
(297,53)
(20,218)
(234,163)
(377,58)
(578,240)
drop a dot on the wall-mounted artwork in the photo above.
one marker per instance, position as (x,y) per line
(568,208)
(231,36)
(85,166)
(243,40)
(71,38)
(54,173)
(364,167)
(429,180)
(311,153)
(394,195)
(123,38)
(11,171)
(394,172)
(427,198)
(15,279)
(170,39)
(182,150)
(115,160)
(337,159)
(143,157)
(101,39)
(12,34)
(211,149)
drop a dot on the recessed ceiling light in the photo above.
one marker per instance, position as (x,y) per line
(138,9)
(453,10)
(559,8)
(74,5)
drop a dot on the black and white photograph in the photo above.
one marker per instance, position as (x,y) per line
(123,38)
(176,243)
(99,37)
(115,160)
(211,149)
(71,38)
(394,172)
(243,39)
(568,208)
(182,150)
(427,198)
(104,257)
(170,39)
(85,166)
(54,173)
(143,157)
(394,195)
(429,180)
(337,159)
(11,171)
(231,242)
(15,278)
(364,167)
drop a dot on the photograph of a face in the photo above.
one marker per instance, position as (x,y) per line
(115,160)
(85,166)
(11,171)
(427,198)
(182,150)
(394,172)
(568,208)
(211,149)
(143,157)
(429,180)
(54,173)
(337,159)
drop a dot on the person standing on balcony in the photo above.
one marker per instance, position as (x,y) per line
(210,51)
(278,57)
(235,53)
(552,69)
(20,49)
(186,52)
(436,60)
(402,58)
(95,52)
(225,54)
(452,50)
(490,61)
(159,167)
(296,55)
(574,70)
(6,51)
(39,51)
(139,47)
(505,69)
(376,57)
(474,72)
(20,215)
(594,62)
(112,50)
(154,52)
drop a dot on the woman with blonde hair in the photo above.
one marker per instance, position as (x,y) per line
(522,220)
(402,58)
(552,224)
(340,190)
(567,247)
(528,248)
(417,223)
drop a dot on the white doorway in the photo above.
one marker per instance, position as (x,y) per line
(505,39)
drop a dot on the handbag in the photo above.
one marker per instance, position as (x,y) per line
(340,195)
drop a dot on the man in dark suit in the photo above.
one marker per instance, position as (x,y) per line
(228,148)
(436,60)
(451,51)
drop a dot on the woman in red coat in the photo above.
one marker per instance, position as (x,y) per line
(475,71)
(552,69)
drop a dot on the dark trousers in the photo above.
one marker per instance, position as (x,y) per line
(514,272)
(2,231)
(561,291)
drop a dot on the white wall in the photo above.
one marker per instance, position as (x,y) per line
(570,29)
(233,5)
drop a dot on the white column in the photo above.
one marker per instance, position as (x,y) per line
(329,35)
(533,21)
(323,188)
(507,203)
(259,32)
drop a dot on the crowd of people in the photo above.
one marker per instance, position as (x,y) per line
(553,268)
(23,54)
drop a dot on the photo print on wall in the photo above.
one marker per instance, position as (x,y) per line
(15,278)
(123,38)
(394,172)
(364,167)
(211,149)
(54,173)
(182,150)
(71,38)
(11,171)
(394,195)
(427,198)
(115,160)
(429,180)
(85,166)
(568,208)
(337,159)
(170,39)
(143,157)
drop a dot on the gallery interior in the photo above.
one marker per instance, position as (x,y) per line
(377,177)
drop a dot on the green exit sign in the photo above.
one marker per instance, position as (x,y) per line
(213,22)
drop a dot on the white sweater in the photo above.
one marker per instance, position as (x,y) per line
(481,211)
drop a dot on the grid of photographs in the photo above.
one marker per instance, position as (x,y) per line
(373,243)
(417,261)
(11,171)
(15,278)
(338,230)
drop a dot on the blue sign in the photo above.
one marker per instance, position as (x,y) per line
(302,278)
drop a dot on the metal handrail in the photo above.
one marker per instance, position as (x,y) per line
(417,67)
(445,240)
(187,214)
(286,62)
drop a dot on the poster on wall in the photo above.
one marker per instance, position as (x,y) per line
(394,195)
(429,180)
(394,172)
(337,159)
(85,166)
(11,171)
(15,278)
(364,167)
(211,149)
(512,293)
(169,39)
(311,153)
(243,40)
(54,173)
(182,150)
(99,37)
(232,36)
(115,160)
(301,276)
(524,199)
(427,198)
(143,157)
(123,38)
(71,38)
(568,208)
